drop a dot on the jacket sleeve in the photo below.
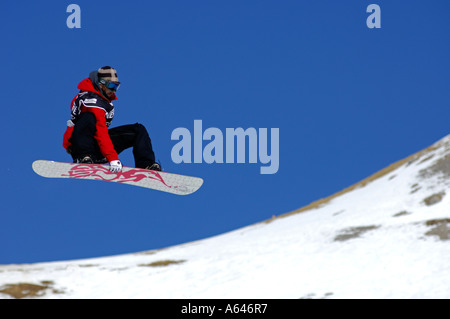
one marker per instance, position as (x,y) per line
(67,135)
(69,129)
(102,135)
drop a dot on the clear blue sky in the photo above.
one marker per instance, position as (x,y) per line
(348,101)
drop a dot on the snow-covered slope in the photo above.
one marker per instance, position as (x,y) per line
(386,237)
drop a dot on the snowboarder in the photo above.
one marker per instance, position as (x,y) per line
(88,138)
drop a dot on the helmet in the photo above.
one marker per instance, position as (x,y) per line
(108,77)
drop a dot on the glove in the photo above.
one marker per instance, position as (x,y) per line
(115,166)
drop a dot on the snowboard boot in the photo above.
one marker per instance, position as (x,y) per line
(154,167)
(88,159)
(85,160)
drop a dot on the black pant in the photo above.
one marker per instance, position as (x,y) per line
(83,142)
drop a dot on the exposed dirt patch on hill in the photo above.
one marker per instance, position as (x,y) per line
(162,263)
(434,199)
(441,228)
(28,290)
(354,232)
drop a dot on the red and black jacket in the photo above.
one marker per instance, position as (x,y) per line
(90,99)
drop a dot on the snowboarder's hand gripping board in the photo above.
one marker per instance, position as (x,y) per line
(115,166)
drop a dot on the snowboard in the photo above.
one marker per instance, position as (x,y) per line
(162,181)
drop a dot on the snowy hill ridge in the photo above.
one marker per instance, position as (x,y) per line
(385,237)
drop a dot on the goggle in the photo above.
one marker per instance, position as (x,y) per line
(113,86)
